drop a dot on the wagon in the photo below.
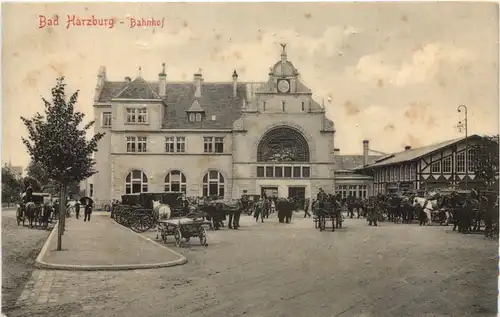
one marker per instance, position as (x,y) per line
(183,228)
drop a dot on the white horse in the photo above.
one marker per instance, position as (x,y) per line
(429,207)
(161,211)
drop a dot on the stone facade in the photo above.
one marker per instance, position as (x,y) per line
(204,137)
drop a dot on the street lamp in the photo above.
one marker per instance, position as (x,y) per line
(463,125)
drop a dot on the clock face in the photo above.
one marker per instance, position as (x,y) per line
(283,86)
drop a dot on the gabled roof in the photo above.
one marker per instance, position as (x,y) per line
(195,107)
(414,154)
(350,162)
(137,89)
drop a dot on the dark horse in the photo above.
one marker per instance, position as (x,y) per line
(31,213)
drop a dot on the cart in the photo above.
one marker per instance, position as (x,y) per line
(186,228)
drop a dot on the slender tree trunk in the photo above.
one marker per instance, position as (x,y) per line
(62,216)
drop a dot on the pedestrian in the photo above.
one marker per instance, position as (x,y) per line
(306,208)
(88,210)
(77,209)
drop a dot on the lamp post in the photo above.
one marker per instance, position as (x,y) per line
(463,125)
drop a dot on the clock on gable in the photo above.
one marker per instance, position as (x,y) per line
(283,85)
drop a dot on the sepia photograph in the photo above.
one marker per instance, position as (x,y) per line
(324,159)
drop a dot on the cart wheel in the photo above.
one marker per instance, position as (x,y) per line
(203,236)
(178,238)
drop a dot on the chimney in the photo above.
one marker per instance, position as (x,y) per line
(128,79)
(162,78)
(235,83)
(407,148)
(198,79)
(365,152)
(101,79)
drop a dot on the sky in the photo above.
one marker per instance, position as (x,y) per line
(392,73)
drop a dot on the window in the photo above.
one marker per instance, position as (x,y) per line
(213,184)
(142,116)
(460,160)
(213,145)
(264,106)
(471,160)
(260,171)
(131,144)
(296,171)
(352,190)
(175,181)
(208,144)
(106,119)
(136,182)
(269,171)
(363,191)
(192,117)
(288,171)
(137,115)
(91,190)
(342,190)
(447,165)
(303,106)
(136,144)
(170,144)
(407,172)
(283,105)
(181,144)
(175,144)
(436,167)
(387,176)
(198,117)
(219,145)
(413,171)
(278,171)
(141,143)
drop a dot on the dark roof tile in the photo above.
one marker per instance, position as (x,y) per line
(350,162)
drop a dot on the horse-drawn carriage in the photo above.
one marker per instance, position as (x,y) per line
(35,211)
(323,211)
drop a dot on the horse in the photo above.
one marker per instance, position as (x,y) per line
(429,207)
(47,211)
(160,211)
(30,210)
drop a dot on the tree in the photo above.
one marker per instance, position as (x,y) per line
(33,182)
(58,143)
(36,171)
(11,186)
(486,160)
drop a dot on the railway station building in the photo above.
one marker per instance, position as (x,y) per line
(212,138)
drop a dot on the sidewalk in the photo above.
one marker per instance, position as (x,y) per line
(102,244)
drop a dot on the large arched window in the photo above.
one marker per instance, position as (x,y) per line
(175,181)
(213,184)
(136,182)
(283,144)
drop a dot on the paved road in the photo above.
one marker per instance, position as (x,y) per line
(290,270)
(20,246)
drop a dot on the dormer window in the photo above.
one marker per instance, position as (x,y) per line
(195,112)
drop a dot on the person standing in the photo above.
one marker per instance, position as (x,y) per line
(77,209)
(306,208)
(88,209)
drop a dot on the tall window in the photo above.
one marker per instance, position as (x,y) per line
(136,182)
(264,106)
(436,167)
(283,105)
(471,160)
(387,176)
(91,190)
(460,160)
(106,119)
(137,115)
(447,164)
(192,117)
(198,117)
(407,172)
(213,184)
(352,190)
(303,106)
(213,145)
(175,181)
(137,144)
(342,190)
(401,172)
(363,192)
(170,144)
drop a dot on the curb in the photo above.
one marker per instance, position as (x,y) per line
(39,263)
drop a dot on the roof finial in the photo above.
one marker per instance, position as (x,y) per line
(283,53)
(163,68)
(284,48)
